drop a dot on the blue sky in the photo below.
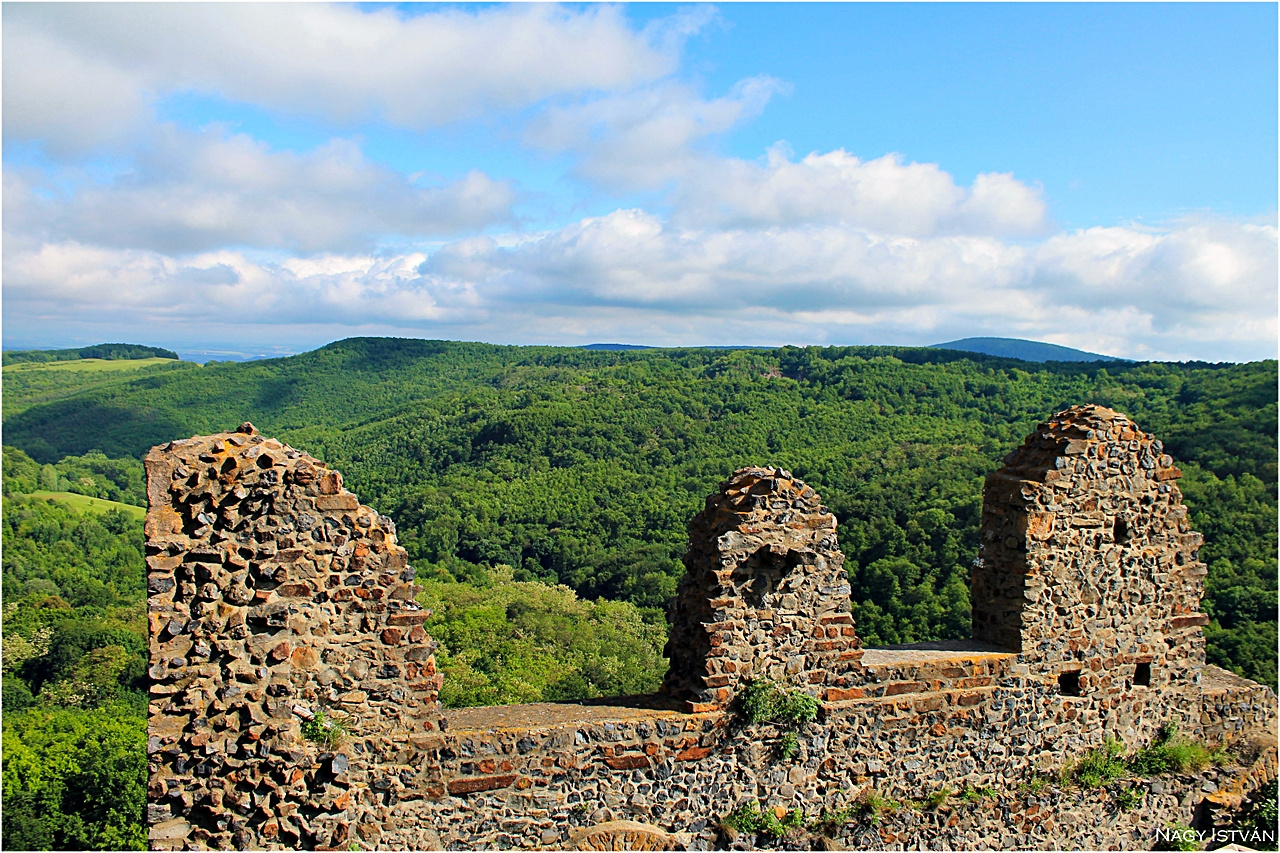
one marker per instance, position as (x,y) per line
(275,177)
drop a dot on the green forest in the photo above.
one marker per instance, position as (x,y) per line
(103,351)
(543,495)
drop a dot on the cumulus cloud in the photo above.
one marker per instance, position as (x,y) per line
(1201,281)
(159,292)
(69,100)
(1199,289)
(644,138)
(884,195)
(195,192)
(632,258)
(826,248)
(653,138)
(77,75)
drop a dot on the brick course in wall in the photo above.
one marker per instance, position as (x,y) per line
(275,595)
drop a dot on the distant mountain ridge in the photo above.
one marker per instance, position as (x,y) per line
(1024,350)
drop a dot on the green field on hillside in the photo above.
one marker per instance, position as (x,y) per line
(82,503)
(87,365)
(33,383)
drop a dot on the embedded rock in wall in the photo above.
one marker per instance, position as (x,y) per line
(622,835)
(276,600)
(1088,566)
(764,595)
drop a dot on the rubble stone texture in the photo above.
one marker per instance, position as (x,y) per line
(1088,563)
(764,596)
(275,595)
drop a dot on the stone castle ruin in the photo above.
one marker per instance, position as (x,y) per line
(294,696)
(1089,566)
(765,594)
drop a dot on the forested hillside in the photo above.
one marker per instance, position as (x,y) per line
(543,495)
(75,661)
(583,467)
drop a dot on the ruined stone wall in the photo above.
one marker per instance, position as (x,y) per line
(1088,564)
(765,594)
(539,775)
(275,595)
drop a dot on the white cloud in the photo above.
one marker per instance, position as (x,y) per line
(654,138)
(825,248)
(77,75)
(69,100)
(643,138)
(632,258)
(998,203)
(195,192)
(166,295)
(885,194)
(1199,281)
(1199,289)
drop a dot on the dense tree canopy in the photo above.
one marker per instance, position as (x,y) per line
(582,467)
(543,495)
(104,351)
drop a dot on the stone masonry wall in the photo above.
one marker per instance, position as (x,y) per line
(764,596)
(1088,564)
(275,595)
(540,773)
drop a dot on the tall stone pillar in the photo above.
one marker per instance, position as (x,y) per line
(276,601)
(764,596)
(1089,566)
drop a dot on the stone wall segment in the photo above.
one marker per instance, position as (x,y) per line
(1088,563)
(275,596)
(764,595)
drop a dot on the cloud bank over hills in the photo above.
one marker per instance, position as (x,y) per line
(165,162)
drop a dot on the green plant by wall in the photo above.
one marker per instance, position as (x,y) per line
(324,731)
(936,799)
(872,808)
(1098,767)
(1036,784)
(970,794)
(829,822)
(765,701)
(788,745)
(1171,753)
(1128,798)
(1168,752)
(754,819)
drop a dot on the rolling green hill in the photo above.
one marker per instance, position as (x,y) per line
(29,383)
(583,466)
